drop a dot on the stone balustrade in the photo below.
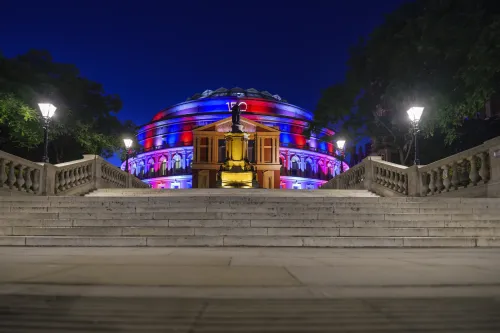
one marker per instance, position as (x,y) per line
(472,173)
(20,176)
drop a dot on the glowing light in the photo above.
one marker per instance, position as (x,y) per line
(128,143)
(340,144)
(415,113)
(47,110)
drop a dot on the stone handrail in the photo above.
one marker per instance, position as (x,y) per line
(20,176)
(472,173)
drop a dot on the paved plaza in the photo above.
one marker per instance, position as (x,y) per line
(249,289)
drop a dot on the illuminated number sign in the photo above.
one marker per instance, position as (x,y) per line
(243,106)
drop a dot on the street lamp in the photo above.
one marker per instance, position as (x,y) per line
(48,111)
(128,144)
(340,145)
(415,113)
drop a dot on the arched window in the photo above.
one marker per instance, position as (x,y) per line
(294,161)
(140,170)
(151,168)
(329,170)
(133,169)
(309,169)
(163,166)
(176,163)
(282,165)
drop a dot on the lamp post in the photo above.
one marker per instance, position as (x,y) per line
(128,144)
(48,111)
(415,113)
(341,145)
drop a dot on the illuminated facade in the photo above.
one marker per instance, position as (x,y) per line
(167,158)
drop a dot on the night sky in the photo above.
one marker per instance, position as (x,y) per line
(157,53)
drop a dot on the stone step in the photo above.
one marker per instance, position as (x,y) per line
(249,231)
(274,241)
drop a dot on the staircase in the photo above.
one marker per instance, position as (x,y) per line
(259,217)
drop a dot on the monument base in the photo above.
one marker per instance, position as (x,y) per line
(243,179)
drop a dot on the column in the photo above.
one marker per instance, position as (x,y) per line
(197,155)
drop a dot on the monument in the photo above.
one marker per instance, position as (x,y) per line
(236,171)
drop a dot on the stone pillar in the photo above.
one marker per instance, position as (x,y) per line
(493,190)
(48,179)
(413,181)
(369,171)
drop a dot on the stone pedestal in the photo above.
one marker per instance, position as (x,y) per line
(236,172)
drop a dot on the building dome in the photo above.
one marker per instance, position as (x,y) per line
(236,92)
(168,139)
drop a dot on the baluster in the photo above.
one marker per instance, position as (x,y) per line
(424,182)
(473,174)
(404,187)
(432,184)
(401,184)
(484,170)
(455,179)
(446,177)
(78,176)
(464,174)
(72,177)
(28,182)
(85,174)
(3,175)
(36,181)
(12,175)
(384,177)
(20,178)
(439,180)
(62,181)
(393,180)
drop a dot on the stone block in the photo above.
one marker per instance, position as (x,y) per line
(157,231)
(168,210)
(36,223)
(256,216)
(353,242)
(185,241)
(379,210)
(57,241)
(187,216)
(439,242)
(417,217)
(262,241)
(398,224)
(24,209)
(117,241)
(230,231)
(69,231)
(301,223)
(27,216)
(210,223)
(472,224)
(105,216)
(5,231)
(91,210)
(464,232)
(446,210)
(488,242)
(383,232)
(12,241)
(303,231)
(244,209)
(475,217)
(351,216)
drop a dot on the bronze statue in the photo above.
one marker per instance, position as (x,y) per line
(235,113)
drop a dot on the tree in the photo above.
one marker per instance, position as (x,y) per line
(439,54)
(86,117)
(18,122)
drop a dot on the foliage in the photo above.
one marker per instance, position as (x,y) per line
(439,54)
(18,122)
(86,117)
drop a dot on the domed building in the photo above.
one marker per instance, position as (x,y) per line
(166,160)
